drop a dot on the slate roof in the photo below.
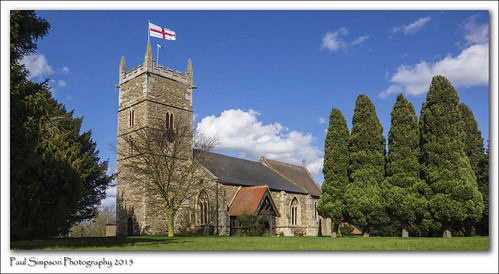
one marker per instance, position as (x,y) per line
(247,200)
(235,171)
(297,174)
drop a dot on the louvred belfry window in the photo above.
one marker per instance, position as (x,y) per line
(169,127)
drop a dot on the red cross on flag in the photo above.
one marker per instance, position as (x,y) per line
(159,32)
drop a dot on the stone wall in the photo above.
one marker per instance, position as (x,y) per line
(147,93)
(308,219)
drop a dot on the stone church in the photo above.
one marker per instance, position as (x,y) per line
(286,194)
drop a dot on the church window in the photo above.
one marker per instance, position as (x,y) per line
(132,118)
(131,145)
(170,134)
(203,208)
(294,212)
(169,121)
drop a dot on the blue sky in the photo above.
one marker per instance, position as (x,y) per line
(267,80)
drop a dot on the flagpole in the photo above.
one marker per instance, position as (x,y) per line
(149,31)
(157,53)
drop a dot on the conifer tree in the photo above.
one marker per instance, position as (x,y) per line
(483,186)
(445,167)
(365,201)
(332,203)
(474,150)
(404,188)
(473,141)
(56,176)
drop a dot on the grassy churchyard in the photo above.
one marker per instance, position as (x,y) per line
(162,242)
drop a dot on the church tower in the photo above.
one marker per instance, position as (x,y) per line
(148,94)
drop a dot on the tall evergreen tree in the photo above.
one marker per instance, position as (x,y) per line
(483,186)
(365,201)
(332,202)
(445,167)
(474,150)
(404,188)
(473,141)
(56,177)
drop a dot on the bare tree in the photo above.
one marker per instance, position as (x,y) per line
(168,160)
(95,227)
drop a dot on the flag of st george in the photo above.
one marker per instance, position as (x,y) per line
(159,32)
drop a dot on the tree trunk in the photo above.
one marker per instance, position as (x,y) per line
(405,231)
(447,231)
(335,231)
(171,217)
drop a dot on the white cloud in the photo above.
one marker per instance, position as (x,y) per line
(61,83)
(413,27)
(37,65)
(321,120)
(474,33)
(333,42)
(65,70)
(110,200)
(240,132)
(360,40)
(469,68)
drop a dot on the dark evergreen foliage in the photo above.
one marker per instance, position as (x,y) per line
(405,190)
(56,177)
(482,227)
(454,193)
(252,225)
(473,141)
(364,196)
(473,148)
(332,202)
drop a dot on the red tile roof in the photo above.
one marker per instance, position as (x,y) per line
(355,231)
(247,200)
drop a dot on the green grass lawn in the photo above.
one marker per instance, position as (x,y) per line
(160,242)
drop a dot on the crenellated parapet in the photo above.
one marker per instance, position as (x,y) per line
(158,70)
(149,66)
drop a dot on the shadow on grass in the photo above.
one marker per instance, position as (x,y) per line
(91,243)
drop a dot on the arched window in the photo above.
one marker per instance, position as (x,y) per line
(203,207)
(315,210)
(294,212)
(170,134)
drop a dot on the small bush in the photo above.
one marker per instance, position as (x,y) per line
(253,225)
